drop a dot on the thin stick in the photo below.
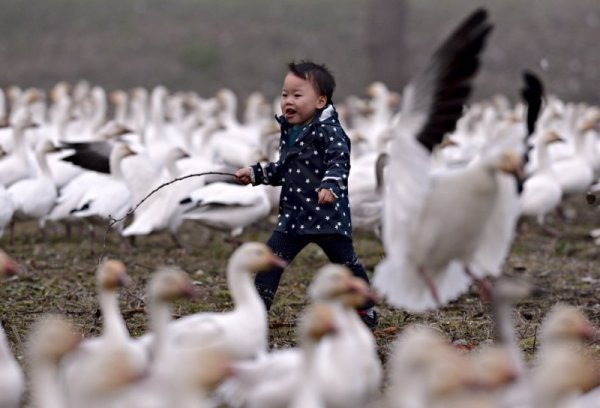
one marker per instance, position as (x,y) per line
(113,221)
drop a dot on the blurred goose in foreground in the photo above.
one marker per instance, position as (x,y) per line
(12,380)
(241,332)
(425,264)
(561,377)
(50,340)
(167,285)
(269,381)
(316,323)
(113,344)
(427,372)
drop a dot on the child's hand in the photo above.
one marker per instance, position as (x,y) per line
(325,196)
(243,176)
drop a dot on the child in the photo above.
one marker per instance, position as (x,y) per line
(313,167)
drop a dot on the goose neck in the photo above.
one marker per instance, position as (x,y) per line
(46,392)
(242,289)
(160,316)
(114,325)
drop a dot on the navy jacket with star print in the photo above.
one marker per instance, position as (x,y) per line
(320,158)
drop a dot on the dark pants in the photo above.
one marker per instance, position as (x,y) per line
(338,249)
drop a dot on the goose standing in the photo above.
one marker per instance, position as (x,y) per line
(347,365)
(541,191)
(35,197)
(270,380)
(167,285)
(12,380)
(114,343)
(241,332)
(316,323)
(15,166)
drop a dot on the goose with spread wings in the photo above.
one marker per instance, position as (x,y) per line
(436,225)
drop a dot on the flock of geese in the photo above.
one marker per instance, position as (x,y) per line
(441,182)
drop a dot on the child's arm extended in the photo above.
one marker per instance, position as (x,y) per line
(259,174)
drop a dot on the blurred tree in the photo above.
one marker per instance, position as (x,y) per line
(386,49)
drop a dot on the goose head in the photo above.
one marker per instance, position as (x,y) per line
(111,275)
(493,367)
(169,284)
(316,322)
(7,265)
(551,136)
(254,257)
(567,323)
(336,281)
(510,163)
(51,338)
(561,373)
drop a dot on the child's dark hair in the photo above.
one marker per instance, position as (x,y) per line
(318,75)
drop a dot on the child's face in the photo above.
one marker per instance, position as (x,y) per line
(299,100)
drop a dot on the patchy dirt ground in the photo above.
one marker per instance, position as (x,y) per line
(58,276)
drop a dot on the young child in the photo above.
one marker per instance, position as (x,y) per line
(313,168)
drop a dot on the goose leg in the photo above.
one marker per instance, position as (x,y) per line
(485,287)
(430,285)
(178,242)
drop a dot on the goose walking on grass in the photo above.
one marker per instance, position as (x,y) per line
(34,197)
(242,332)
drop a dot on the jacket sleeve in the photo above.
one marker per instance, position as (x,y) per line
(337,160)
(269,173)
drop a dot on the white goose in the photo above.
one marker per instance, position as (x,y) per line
(541,191)
(563,368)
(12,380)
(167,285)
(35,197)
(7,209)
(227,206)
(316,324)
(423,213)
(241,332)
(15,166)
(108,198)
(114,343)
(270,380)
(347,365)
(50,340)
(109,189)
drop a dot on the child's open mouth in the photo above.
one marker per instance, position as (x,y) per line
(289,112)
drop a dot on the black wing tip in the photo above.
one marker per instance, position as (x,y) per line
(457,63)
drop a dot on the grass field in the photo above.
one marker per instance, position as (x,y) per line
(58,277)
